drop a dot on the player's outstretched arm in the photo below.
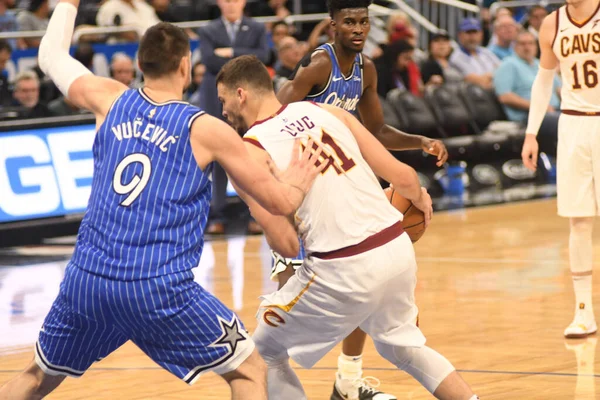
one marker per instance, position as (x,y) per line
(403,177)
(371,114)
(279,231)
(214,140)
(312,71)
(85,90)
(541,91)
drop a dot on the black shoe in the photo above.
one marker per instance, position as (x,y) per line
(365,392)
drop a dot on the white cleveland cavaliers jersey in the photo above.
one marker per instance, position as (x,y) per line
(577,46)
(346,203)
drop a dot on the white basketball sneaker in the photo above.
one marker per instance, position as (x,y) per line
(582,326)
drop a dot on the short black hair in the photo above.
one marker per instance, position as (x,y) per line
(277,23)
(245,70)
(337,5)
(5,46)
(161,49)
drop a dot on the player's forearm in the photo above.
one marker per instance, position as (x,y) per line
(406,181)
(54,57)
(541,95)
(279,231)
(281,236)
(394,139)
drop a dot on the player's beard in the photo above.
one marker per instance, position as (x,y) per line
(239,124)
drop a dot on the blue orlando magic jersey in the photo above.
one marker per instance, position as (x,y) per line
(341,91)
(150,200)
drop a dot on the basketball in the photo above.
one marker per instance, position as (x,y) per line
(414,219)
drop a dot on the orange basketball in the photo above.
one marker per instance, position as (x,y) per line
(414,219)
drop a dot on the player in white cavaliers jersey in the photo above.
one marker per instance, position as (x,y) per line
(360,268)
(570,38)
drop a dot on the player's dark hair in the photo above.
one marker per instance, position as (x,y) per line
(243,71)
(161,49)
(5,46)
(337,5)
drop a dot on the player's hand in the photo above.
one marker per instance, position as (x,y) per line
(303,169)
(426,205)
(435,148)
(529,154)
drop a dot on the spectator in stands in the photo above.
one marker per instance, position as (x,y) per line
(409,34)
(438,64)
(397,69)
(505,32)
(280,30)
(35,18)
(5,53)
(130,13)
(8,22)
(535,16)
(84,53)
(513,81)
(290,54)
(222,39)
(166,13)
(270,8)
(62,107)
(194,94)
(322,33)
(122,69)
(27,95)
(476,63)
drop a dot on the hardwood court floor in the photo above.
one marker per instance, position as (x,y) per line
(494,293)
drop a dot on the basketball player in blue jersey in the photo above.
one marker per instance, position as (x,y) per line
(339,74)
(130,276)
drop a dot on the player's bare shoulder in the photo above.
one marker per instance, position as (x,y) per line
(316,65)
(549,28)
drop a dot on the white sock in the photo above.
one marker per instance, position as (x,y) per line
(349,367)
(475,397)
(583,293)
(581,262)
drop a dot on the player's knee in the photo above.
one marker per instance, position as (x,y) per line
(582,226)
(40,383)
(424,364)
(252,369)
(394,354)
(271,352)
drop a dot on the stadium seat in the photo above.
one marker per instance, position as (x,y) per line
(482,104)
(414,113)
(389,115)
(450,111)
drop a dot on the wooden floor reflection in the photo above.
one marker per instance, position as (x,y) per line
(494,294)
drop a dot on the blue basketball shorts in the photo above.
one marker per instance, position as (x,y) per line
(172,319)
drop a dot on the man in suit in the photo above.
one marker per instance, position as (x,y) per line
(225,38)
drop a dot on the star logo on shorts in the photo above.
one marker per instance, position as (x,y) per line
(231,335)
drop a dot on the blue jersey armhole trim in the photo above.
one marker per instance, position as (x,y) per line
(195,117)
